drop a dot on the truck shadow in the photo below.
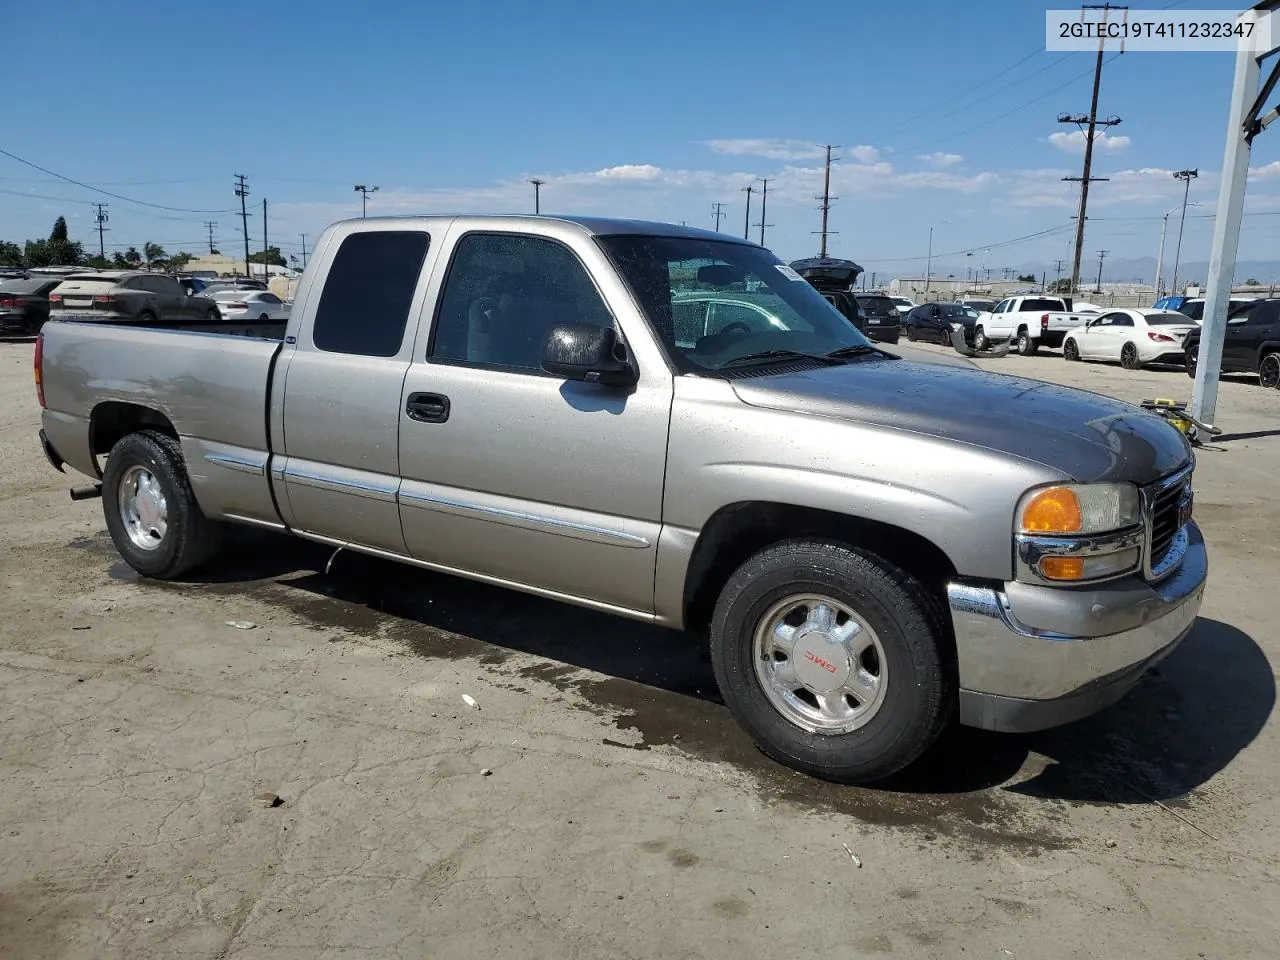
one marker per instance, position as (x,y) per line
(1184,723)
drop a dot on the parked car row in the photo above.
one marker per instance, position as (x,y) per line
(27,302)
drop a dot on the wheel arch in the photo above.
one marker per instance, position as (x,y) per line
(112,420)
(737,531)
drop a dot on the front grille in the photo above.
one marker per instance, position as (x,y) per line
(1165,519)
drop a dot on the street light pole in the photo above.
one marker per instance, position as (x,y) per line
(928,270)
(537,194)
(746,220)
(364,197)
(1186,176)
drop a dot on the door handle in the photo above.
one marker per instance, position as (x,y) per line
(427,407)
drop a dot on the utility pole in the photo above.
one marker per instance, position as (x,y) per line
(100,219)
(209,225)
(718,209)
(746,220)
(764,205)
(1102,255)
(1186,176)
(537,196)
(266,273)
(826,199)
(304,250)
(1057,274)
(242,191)
(364,197)
(1093,123)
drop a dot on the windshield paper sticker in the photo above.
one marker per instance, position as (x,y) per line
(787,272)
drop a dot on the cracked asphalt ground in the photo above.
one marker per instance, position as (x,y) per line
(625,815)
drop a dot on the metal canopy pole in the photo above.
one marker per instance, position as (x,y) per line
(1241,121)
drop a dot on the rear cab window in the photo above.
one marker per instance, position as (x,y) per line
(364,305)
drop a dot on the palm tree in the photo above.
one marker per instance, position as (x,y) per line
(133,256)
(153,252)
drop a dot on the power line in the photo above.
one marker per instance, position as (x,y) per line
(981,246)
(106,193)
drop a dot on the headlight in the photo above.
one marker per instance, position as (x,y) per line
(1078,533)
(1079,509)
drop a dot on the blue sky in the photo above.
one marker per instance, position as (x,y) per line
(943,112)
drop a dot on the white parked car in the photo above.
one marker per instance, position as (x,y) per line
(1133,337)
(250,305)
(904,304)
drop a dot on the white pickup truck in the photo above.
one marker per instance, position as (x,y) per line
(1031,321)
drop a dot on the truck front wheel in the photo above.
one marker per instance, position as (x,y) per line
(834,661)
(152,515)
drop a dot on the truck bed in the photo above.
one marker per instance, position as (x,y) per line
(211,387)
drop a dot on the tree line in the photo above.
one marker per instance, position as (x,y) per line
(60,250)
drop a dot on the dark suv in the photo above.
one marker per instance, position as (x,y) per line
(880,320)
(1251,344)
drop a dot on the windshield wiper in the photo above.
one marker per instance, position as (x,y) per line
(858,350)
(780,355)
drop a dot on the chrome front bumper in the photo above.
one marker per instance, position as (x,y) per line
(1032,657)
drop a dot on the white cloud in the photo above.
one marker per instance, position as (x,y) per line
(1271,169)
(864,153)
(1074,142)
(773,149)
(941,159)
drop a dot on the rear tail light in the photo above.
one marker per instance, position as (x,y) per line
(236,304)
(39,368)
(1160,337)
(1044,322)
(55,298)
(101,299)
(9,303)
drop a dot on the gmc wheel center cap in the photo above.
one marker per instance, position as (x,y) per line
(821,664)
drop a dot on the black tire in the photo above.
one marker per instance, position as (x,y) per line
(911,334)
(1269,371)
(1129,357)
(1070,351)
(919,699)
(146,316)
(1027,344)
(263,319)
(980,341)
(890,340)
(190,538)
(1191,358)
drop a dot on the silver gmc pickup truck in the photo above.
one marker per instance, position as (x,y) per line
(873,547)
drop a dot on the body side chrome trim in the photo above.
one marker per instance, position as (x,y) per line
(385,492)
(481,577)
(567,528)
(240,464)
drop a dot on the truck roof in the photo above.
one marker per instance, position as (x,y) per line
(595,226)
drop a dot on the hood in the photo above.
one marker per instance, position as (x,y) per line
(1083,435)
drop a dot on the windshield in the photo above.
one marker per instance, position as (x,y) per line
(230,293)
(713,303)
(1160,319)
(957,310)
(980,304)
(1052,306)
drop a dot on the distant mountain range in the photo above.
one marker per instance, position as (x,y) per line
(1135,270)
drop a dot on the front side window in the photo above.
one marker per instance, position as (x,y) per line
(776,309)
(364,306)
(504,293)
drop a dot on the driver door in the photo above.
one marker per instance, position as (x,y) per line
(512,474)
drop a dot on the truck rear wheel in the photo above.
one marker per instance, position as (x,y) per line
(152,515)
(1027,344)
(833,660)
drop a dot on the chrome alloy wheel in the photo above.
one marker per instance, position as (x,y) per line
(820,664)
(143,508)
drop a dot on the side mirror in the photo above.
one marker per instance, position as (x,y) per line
(592,354)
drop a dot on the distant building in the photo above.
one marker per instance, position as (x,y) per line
(220,265)
(953,288)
